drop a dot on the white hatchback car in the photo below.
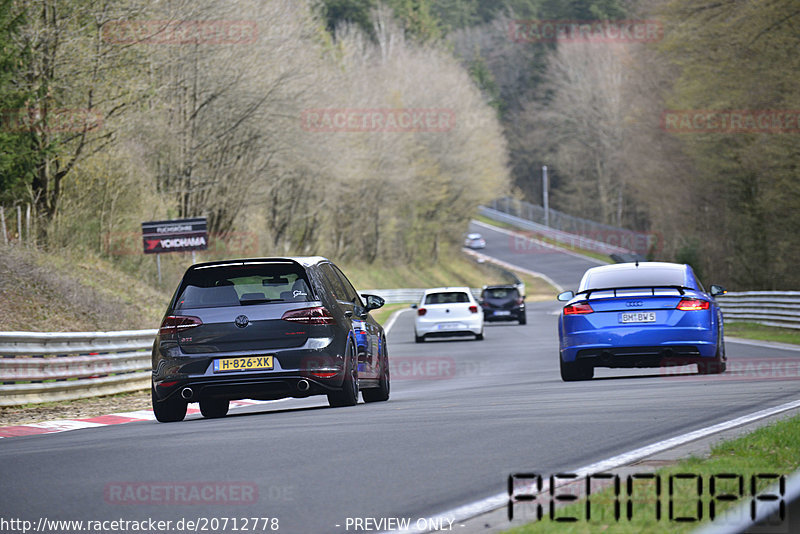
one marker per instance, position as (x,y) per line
(448,311)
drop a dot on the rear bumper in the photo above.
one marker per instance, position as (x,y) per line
(293,370)
(624,346)
(467,326)
(491,314)
(264,387)
(653,356)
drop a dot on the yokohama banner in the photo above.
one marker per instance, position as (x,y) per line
(180,235)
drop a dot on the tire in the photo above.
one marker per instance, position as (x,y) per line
(171,410)
(214,408)
(479,337)
(348,395)
(718,365)
(380,393)
(523,320)
(419,339)
(575,371)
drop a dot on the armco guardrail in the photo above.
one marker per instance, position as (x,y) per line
(52,366)
(771,308)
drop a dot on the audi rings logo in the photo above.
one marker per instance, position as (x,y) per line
(634,304)
(242,321)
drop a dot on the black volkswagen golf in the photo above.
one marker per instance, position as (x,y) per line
(267,329)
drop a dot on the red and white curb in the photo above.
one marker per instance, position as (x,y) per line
(62,425)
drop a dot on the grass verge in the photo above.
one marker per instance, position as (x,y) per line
(762,332)
(382,315)
(771,449)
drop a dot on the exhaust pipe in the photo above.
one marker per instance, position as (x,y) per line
(187,393)
(303,385)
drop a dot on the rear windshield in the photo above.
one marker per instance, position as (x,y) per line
(501,293)
(450,297)
(635,277)
(240,285)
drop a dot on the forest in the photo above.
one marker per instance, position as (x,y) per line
(371,130)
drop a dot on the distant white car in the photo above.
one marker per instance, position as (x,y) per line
(448,311)
(474,241)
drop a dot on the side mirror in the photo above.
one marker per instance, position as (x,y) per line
(374,302)
(717,290)
(565,296)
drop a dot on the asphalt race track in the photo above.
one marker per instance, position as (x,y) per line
(463,415)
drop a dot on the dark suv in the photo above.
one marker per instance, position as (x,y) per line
(503,303)
(267,329)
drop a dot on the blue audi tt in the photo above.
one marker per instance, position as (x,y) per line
(648,314)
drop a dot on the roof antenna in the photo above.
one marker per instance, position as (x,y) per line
(637,262)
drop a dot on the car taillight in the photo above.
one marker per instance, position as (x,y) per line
(316,315)
(421,311)
(520,301)
(579,308)
(173,324)
(693,304)
(473,309)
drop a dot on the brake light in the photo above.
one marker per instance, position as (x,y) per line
(473,309)
(421,311)
(173,324)
(317,315)
(579,308)
(693,304)
(324,374)
(520,301)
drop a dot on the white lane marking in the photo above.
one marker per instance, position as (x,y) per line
(513,267)
(765,344)
(468,511)
(393,319)
(542,243)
